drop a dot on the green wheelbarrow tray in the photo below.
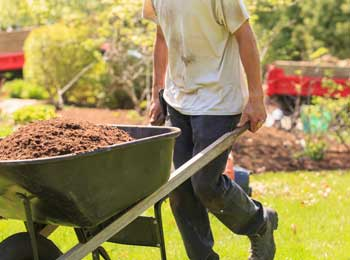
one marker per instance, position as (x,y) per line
(87,189)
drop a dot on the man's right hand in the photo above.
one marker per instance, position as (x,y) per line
(255,113)
(156,114)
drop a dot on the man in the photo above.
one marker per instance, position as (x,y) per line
(200,48)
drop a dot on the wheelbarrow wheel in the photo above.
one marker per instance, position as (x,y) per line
(18,247)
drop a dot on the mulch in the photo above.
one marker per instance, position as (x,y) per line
(59,137)
(272,149)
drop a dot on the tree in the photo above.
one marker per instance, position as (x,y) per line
(14,13)
(25,13)
(59,57)
(270,19)
(295,29)
(130,40)
(328,23)
(115,22)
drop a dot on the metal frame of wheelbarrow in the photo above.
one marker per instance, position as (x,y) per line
(119,229)
(143,231)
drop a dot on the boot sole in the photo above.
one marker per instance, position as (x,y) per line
(273,216)
(275,221)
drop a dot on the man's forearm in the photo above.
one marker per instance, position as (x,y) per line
(160,63)
(251,60)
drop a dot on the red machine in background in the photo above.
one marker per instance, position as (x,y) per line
(11,61)
(11,54)
(288,80)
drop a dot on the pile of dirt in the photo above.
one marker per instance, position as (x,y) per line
(59,137)
(272,149)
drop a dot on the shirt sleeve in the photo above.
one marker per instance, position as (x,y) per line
(149,11)
(231,14)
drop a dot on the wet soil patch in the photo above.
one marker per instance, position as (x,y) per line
(59,137)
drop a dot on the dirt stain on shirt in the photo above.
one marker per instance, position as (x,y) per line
(187,60)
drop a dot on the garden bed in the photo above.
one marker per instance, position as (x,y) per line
(272,149)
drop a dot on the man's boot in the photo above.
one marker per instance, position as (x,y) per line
(262,244)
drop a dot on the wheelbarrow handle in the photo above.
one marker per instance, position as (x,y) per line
(178,177)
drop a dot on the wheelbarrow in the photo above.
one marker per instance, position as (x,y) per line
(101,194)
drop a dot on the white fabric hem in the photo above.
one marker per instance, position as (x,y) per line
(239,25)
(203,113)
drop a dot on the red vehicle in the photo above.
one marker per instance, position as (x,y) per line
(11,53)
(11,61)
(286,81)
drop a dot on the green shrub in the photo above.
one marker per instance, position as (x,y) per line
(315,148)
(6,125)
(134,115)
(116,99)
(5,130)
(339,108)
(30,114)
(89,90)
(22,89)
(56,54)
(327,120)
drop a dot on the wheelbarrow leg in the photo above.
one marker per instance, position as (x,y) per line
(30,224)
(100,251)
(158,216)
(96,255)
(83,236)
(103,253)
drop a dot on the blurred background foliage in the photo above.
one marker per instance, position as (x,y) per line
(56,53)
(295,30)
(109,46)
(19,88)
(69,36)
(29,114)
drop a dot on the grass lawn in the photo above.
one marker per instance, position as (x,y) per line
(314,211)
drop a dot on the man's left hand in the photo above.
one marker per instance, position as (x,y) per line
(255,113)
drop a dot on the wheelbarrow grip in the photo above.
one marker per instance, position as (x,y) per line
(240,130)
(178,177)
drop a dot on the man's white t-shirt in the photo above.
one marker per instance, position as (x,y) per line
(205,74)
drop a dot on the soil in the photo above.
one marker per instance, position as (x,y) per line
(270,149)
(59,137)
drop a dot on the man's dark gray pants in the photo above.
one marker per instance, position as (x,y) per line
(209,189)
